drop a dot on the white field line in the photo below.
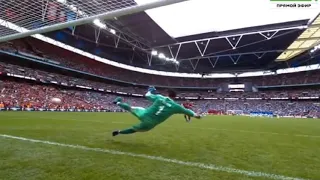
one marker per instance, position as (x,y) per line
(159,158)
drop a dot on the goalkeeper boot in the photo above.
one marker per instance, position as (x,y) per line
(115,133)
(118,99)
(187,118)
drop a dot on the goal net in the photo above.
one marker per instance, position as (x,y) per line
(22,18)
(234,112)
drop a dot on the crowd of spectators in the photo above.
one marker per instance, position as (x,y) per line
(62,79)
(72,81)
(30,95)
(281,108)
(74,61)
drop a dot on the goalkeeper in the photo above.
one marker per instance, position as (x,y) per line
(161,109)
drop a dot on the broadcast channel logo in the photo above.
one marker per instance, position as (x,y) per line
(301,4)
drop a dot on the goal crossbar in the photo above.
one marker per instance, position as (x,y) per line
(101,16)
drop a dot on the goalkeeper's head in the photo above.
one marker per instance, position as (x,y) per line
(171,94)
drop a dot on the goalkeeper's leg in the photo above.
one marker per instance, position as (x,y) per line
(136,111)
(141,127)
(187,118)
(125,106)
(125,131)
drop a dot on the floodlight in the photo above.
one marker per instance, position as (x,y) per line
(154,52)
(113,31)
(98,23)
(162,56)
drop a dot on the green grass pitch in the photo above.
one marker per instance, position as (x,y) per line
(215,147)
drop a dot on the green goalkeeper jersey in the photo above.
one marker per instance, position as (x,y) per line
(162,108)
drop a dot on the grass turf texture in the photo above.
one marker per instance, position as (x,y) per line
(288,147)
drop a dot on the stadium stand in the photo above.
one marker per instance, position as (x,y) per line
(37,84)
(20,94)
(35,48)
(36,95)
(29,95)
(63,79)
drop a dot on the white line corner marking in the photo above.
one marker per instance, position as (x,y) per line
(159,158)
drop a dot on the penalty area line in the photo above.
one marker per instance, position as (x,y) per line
(158,158)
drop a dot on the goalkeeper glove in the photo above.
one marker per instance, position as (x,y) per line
(152,89)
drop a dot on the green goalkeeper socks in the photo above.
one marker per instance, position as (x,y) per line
(127,131)
(124,106)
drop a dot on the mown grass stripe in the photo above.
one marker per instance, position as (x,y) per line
(159,158)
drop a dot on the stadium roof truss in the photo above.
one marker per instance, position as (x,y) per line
(307,40)
(128,37)
(163,73)
(233,40)
(118,35)
(103,26)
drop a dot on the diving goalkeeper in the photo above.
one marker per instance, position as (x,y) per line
(161,109)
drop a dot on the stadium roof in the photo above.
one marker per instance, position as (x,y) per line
(307,40)
(245,49)
(203,16)
(229,44)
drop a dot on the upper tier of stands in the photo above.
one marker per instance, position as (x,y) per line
(75,61)
(44,76)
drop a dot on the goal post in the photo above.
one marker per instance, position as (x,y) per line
(24,31)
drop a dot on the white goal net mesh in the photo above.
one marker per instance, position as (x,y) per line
(27,17)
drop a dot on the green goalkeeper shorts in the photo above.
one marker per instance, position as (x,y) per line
(145,124)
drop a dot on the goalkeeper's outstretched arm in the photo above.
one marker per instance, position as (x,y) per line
(152,97)
(189,112)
